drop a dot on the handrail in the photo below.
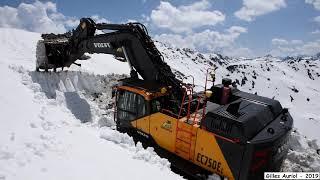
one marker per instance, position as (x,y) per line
(205,89)
(189,102)
(186,77)
(207,73)
(183,98)
(197,109)
(188,92)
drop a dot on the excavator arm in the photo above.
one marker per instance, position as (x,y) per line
(129,42)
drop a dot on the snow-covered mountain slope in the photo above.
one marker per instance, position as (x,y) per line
(53,127)
(266,76)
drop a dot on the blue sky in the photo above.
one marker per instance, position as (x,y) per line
(232,27)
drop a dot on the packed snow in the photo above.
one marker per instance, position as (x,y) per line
(60,125)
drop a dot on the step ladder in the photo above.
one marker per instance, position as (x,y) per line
(184,134)
(183,145)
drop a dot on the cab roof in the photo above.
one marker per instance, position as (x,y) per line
(149,86)
(148,89)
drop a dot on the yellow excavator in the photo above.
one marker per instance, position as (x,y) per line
(219,130)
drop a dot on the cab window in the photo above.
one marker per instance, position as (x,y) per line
(130,106)
(165,105)
(141,107)
(155,106)
(126,106)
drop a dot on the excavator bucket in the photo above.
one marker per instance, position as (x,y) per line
(52,52)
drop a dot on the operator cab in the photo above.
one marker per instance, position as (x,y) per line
(137,99)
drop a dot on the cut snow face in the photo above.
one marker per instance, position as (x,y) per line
(75,84)
(60,125)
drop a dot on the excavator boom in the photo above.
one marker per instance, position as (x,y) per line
(129,42)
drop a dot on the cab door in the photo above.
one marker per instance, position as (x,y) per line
(143,118)
(132,111)
(126,109)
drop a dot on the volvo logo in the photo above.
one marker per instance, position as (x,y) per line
(142,134)
(102,45)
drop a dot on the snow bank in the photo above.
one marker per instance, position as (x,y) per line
(137,151)
(303,156)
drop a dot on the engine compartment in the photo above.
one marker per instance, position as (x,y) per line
(259,126)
